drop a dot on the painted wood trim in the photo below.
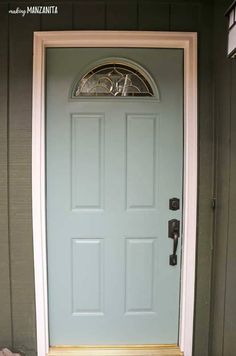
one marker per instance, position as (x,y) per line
(141,39)
(190,197)
(38,199)
(147,39)
(124,350)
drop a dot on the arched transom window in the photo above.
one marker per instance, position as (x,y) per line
(115,80)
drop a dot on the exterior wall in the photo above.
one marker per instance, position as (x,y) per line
(17,309)
(223,316)
(5,294)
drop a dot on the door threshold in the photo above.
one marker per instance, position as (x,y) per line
(121,350)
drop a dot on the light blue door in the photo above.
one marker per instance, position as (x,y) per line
(113,163)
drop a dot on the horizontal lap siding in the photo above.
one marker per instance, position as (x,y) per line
(150,15)
(5,292)
(20,233)
(204,22)
(223,322)
(222,117)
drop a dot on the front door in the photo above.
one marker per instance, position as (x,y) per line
(114,150)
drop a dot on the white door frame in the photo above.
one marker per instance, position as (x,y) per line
(188,42)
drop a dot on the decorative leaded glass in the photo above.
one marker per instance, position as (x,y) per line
(113,80)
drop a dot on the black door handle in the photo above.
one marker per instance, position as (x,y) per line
(174,234)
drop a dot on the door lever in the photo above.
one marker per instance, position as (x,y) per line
(173,232)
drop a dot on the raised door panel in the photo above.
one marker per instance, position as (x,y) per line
(141,161)
(140,276)
(87,161)
(87,276)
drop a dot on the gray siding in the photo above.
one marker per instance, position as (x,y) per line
(5,286)
(223,316)
(19,155)
(17,309)
(205,182)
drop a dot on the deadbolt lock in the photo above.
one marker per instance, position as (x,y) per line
(174,204)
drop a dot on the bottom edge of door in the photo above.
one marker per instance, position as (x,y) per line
(121,350)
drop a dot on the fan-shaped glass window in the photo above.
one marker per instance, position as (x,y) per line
(115,80)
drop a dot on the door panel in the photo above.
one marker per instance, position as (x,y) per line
(140,161)
(87,282)
(112,165)
(87,161)
(139,262)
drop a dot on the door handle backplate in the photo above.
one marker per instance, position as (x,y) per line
(173,233)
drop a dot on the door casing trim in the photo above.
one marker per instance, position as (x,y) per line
(141,39)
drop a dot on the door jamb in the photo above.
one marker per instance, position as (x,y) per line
(142,39)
